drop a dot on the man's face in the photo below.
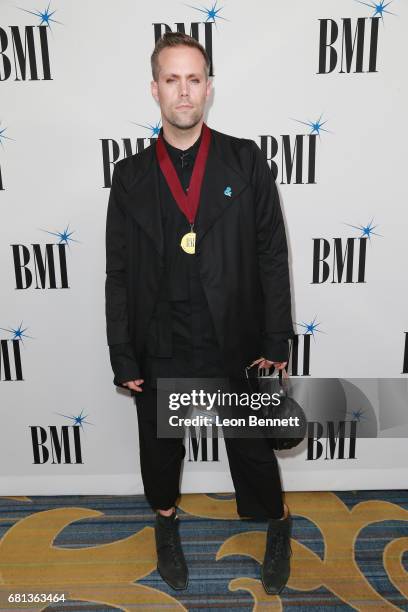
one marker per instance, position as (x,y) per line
(181,88)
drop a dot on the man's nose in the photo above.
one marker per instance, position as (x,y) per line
(183,88)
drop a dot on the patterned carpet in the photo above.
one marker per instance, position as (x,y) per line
(350,552)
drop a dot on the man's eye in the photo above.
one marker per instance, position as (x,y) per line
(196,80)
(170,80)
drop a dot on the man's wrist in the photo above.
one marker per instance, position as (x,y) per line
(124,365)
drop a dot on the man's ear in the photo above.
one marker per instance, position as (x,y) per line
(153,87)
(209,87)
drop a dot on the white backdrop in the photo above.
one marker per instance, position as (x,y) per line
(56,121)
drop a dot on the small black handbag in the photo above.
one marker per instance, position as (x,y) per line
(282,436)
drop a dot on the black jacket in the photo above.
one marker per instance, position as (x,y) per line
(241,247)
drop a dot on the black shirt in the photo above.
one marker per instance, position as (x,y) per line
(182,315)
(179,265)
(183,161)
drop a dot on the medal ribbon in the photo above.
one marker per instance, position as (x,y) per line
(188,203)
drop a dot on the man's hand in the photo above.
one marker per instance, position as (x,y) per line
(265,363)
(134,385)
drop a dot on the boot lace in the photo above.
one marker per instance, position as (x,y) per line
(171,540)
(278,548)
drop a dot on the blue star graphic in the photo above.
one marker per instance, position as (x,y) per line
(78,420)
(63,236)
(356,415)
(155,129)
(3,137)
(212,13)
(316,126)
(379,7)
(366,230)
(311,327)
(18,333)
(45,15)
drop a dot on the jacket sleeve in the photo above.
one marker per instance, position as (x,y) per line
(123,361)
(272,252)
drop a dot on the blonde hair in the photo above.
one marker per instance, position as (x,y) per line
(173,39)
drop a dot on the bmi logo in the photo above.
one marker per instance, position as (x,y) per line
(42,266)
(301,348)
(292,158)
(331,440)
(113,150)
(350,44)
(11,368)
(58,444)
(24,50)
(342,260)
(201,445)
(200,30)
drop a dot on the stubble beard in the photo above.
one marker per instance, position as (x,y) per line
(184,123)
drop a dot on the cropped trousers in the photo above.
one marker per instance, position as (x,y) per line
(252,461)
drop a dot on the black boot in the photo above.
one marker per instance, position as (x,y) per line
(276,566)
(171,563)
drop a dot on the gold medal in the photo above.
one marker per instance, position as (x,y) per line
(188,243)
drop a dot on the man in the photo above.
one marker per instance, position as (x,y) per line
(197,285)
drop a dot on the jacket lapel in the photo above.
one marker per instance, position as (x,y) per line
(143,198)
(221,185)
(220,188)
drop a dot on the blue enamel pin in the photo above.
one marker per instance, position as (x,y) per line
(228,191)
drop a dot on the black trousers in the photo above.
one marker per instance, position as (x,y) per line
(195,353)
(253,464)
